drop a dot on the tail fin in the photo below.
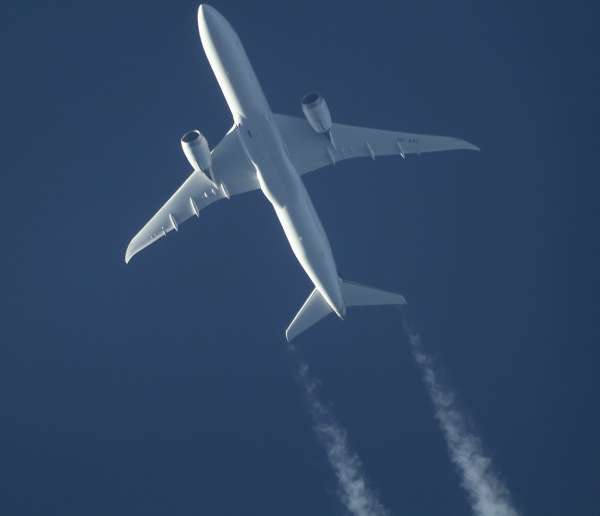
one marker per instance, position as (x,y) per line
(354,294)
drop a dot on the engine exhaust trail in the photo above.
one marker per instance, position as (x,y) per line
(353,490)
(488,496)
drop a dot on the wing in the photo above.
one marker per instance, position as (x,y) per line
(310,150)
(233,175)
(196,193)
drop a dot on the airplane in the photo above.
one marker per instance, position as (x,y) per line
(268,151)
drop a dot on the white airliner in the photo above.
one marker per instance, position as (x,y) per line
(270,151)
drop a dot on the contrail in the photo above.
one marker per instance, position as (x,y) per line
(352,486)
(488,496)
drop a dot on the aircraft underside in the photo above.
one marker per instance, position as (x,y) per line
(270,151)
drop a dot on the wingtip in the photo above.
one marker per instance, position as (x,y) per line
(288,336)
(128,254)
(472,147)
(467,145)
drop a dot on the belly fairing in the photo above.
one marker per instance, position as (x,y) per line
(263,145)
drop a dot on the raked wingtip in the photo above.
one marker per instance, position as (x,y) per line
(128,254)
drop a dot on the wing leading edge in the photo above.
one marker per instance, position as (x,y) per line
(310,150)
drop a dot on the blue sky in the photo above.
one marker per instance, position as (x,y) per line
(164,386)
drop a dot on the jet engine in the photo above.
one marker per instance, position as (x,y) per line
(317,113)
(195,148)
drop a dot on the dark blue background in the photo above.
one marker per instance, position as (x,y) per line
(164,387)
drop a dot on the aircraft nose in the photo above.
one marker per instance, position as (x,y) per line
(207,24)
(202,14)
(207,14)
(210,22)
(205,8)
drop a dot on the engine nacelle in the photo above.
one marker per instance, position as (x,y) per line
(317,113)
(195,148)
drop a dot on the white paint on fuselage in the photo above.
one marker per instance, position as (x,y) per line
(264,147)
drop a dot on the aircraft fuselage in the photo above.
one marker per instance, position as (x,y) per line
(265,149)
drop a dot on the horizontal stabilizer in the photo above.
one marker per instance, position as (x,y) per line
(354,294)
(313,311)
(361,295)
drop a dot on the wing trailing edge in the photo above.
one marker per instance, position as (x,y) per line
(310,150)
